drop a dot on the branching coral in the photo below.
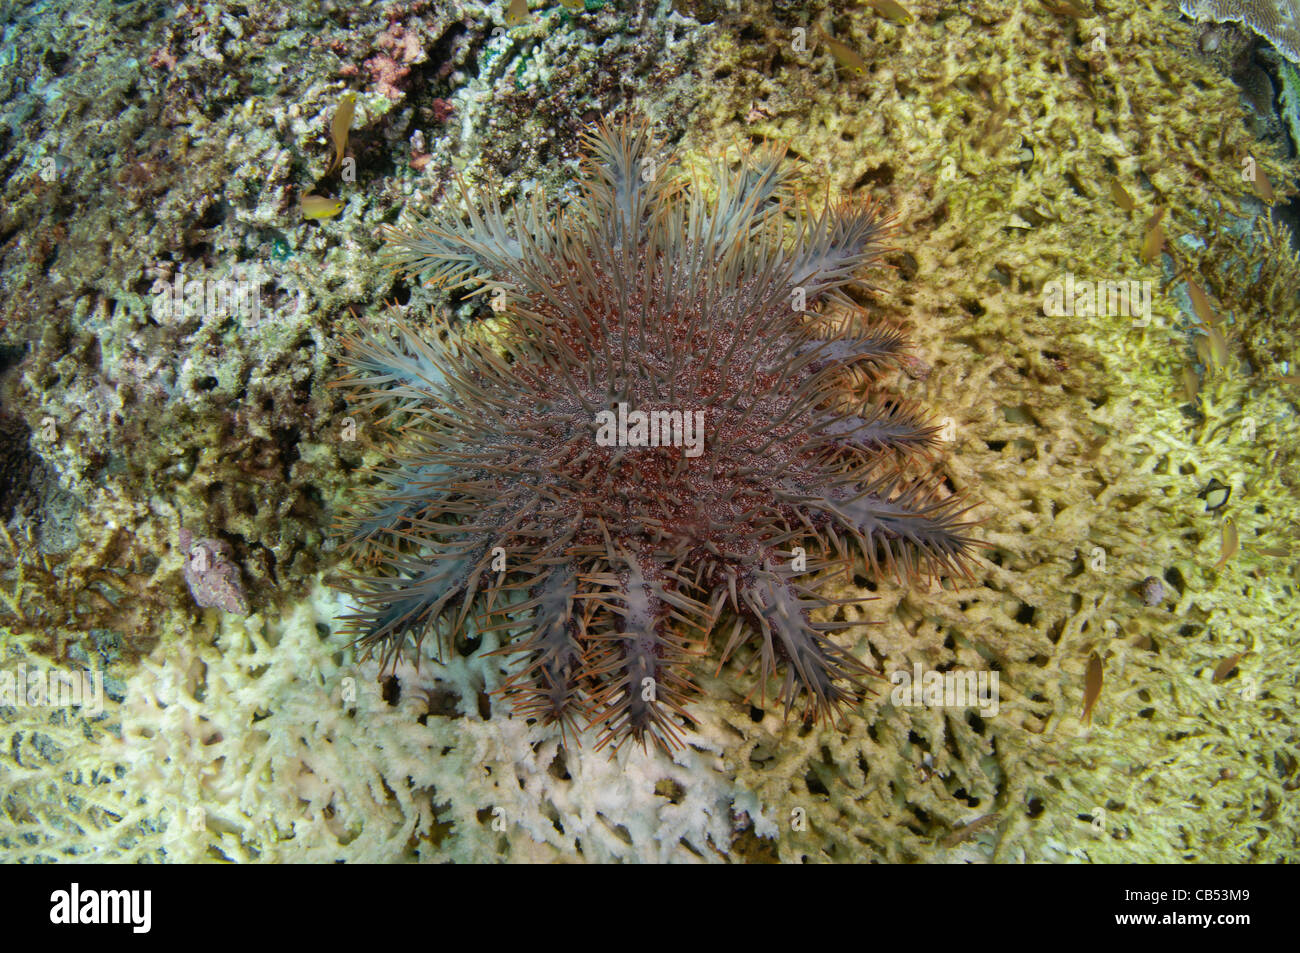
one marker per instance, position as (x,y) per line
(511,497)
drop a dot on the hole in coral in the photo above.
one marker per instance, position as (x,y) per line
(390,690)
(814,783)
(670,789)
(1175,579)
(882,175)
(558,767)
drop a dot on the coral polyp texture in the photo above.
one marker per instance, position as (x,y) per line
(661,442)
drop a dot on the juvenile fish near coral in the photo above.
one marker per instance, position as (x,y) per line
(1215,495)
(1230,544)
(892,10)
(1201,303)
(1092,686)
(1218,345)
(1155,237)
(1212,348)
(574,6)
(517,13)
(339,127)
(1121,197)
(318,206)
(1263,187)
(845,55)
(1224,668)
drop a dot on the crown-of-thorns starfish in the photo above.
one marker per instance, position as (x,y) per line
(658,428)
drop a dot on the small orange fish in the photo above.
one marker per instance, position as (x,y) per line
(1191,383)
(845,55)
(339,127)
(892,10)
(574,6)
(1278,552)
(318,206)
(1230,544)
(1263,186)
(1155,237)
(1218,346)
(1224,668)
(1121,197)
(1201,344)
(1201,303)
(1092,686)
(1152,245)
(1291,379)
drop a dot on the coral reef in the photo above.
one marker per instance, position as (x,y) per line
(1278,21)
(135,149)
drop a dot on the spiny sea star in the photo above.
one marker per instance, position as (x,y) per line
(509,495)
